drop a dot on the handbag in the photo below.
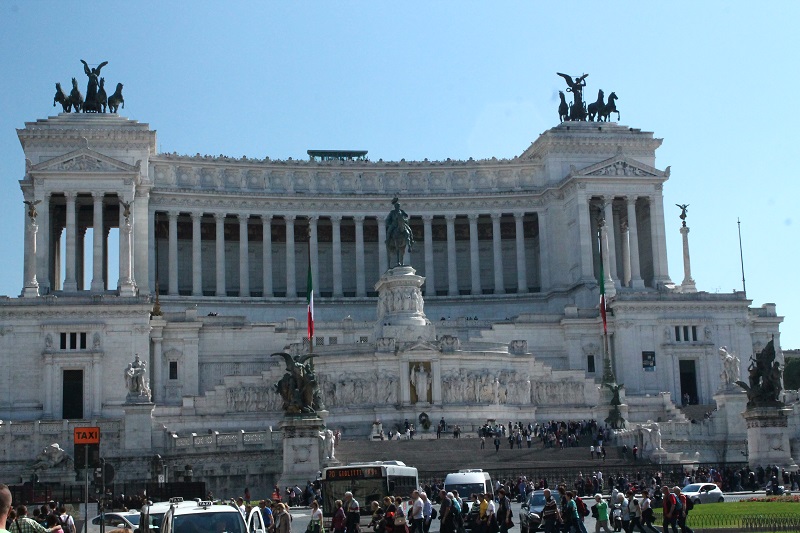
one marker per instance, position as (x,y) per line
(399,520)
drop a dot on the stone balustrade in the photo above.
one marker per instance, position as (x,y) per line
(224,442)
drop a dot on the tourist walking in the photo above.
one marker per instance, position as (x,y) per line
(683,513)
(670,508)
(601,518)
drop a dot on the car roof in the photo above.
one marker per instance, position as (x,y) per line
(199,509)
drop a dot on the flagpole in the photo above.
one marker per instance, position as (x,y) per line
(310,296)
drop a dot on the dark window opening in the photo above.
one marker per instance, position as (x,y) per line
(173,370)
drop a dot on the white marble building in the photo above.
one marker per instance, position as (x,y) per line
(508,250)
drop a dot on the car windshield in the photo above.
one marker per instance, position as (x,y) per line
(209,522)
(133,519)
(691,488)
(536,500)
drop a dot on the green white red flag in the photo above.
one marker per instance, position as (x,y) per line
(603,298)
(310,300)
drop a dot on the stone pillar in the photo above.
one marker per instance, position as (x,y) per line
(137,433)
(427,231)
(633,244)
(151,252)
(97,396)
(361,289)
(126,285)
(659,244)
(611,290)
(474,254)
(544,252)
(301,449)
(172,256)
(244,257)
(626,255)
(313,242)
(608,214)
(519,236)
(688,284)
(49,385)
(158,384)
(31,286)
(291,284)
(70,281)
(497,254)
(43,248)
(383,262)
(768,437)
(197,255)
(219,218)
(266,254)
(98,234)
(586,237)
(452,265)
(336,223)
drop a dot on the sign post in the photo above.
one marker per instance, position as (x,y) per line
(86,437)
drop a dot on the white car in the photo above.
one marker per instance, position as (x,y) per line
(205,517)
(703,493)
(115,520)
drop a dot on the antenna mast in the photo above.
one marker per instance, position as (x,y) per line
(741,256)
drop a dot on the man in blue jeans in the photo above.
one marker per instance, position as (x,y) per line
(670,510)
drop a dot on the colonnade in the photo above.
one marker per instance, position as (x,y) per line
(304,231)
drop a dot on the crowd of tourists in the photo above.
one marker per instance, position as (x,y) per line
(49,518)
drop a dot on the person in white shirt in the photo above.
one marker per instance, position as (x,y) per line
(416,514)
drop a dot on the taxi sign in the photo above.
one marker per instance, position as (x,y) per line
(87,435)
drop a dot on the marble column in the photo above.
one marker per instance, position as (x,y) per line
(158,372)
(383,262)
(519,237)
(172,256)
(80,247)
(497,254)
(585,237)
(244,257)
(197,254)
(126,285)
(626,254)
(336,224)
(30,287)
(474,254)
(544,251)
(219,218)
(151,252)
(361,289)
(48,386)
(608,214)
(266,255)
(98,234)
(688,284)
(659,241)
(313,242)
(633,244)
(452,265)
(43,248)
(427,230)
(611,290)
(291,284)
(70,281)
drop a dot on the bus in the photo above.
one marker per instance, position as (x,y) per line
(368,482)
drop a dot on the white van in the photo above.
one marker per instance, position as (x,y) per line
(469,482)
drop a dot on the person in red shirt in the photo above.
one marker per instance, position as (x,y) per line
(670,511)
(683,513)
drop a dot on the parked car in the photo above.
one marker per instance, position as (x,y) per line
(205,517)
(703,493)
(115,520)
(530,517)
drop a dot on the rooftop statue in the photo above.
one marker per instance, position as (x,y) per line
(764,379)
(599,111)
(299,387)
(91,103)
(398,233)
(96,98)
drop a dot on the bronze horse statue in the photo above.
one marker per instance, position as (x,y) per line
(62,98)
(398,234)
(610,107)
(75,97)
(563,108)
(596,107)
(102,97)
(115,99)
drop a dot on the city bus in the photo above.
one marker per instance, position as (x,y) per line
(368,482)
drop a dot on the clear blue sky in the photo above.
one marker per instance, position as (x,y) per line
(718,81)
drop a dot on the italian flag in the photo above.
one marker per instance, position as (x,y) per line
(310,300)
(602,298)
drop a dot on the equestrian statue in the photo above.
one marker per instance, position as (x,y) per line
(577,110)
(398,234)
(97,101)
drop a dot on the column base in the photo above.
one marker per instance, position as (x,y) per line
(70,286)
(127,288)
(30,291)
(688,286)
(637,284)
(98,286)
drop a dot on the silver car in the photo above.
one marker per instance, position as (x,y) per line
(115,520)
(703,493)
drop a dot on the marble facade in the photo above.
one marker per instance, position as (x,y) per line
(498,315)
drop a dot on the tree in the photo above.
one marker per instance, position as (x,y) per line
(791,374)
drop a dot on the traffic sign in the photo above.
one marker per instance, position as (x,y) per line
(87,435)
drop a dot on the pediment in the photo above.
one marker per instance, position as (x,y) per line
(621,165)
(420,347)
(84,160)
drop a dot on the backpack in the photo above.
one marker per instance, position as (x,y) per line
(677,506)
(689,504)
(582,510)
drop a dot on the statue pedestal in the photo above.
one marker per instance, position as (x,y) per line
(302,449)
(767,437)
(400,307)
(138,426)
